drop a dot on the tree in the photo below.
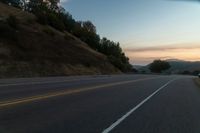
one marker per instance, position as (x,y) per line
(86,31)
(115,54)
(15,3)
(53,5)
(67,20)
(158,66)
(89,27)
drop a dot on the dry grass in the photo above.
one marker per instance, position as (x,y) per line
(38,50)
(5,11)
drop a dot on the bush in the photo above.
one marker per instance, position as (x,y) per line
(116,62)
(30,21)
(49,31)
(68,37)
(12,21)
(41,18)
(7,32)
(158,66)
(55,22)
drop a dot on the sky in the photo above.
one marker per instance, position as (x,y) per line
(146,29)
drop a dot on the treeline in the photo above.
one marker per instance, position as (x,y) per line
(49,13)
(186,72)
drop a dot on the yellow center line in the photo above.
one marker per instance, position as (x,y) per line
(44,82)
(67,92)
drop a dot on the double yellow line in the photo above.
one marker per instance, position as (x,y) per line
(62,93)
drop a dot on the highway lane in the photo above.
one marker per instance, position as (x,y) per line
(175,110)
(97,109)
(11,89)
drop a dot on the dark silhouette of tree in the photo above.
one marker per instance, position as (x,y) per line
(67,20)
(89,27)
(115,54)
(158,66)
(196,72)
(54,5)
(15,3)
(86,31)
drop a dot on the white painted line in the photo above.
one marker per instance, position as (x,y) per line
(110,128)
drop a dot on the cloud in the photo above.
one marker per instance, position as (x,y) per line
(161,48)
(147,55)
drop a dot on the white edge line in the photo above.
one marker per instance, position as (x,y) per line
(110,128)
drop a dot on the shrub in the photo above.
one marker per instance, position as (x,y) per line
(41,18)
(55,22)
(30,21)
(68,37)
(6,32)
(158,66)
(49,31)
(12,21)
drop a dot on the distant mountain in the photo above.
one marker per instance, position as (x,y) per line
(175,60)
(137,66)
(178,66)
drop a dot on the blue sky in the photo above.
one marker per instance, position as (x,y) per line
(143,24)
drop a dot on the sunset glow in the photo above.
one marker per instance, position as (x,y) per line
(147,55)
(146,29)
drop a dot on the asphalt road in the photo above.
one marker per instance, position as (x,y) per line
(100,104)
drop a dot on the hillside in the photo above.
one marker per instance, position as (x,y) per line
(29,49)
(178,66)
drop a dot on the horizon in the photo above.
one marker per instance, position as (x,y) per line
(167,60)
(146,30)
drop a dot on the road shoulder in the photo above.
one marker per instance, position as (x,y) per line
(197,81)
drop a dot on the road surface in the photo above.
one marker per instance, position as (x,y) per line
(100,104)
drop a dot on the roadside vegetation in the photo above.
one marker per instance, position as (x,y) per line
(31,49)
(49,13)
(197,82)
(157,66)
